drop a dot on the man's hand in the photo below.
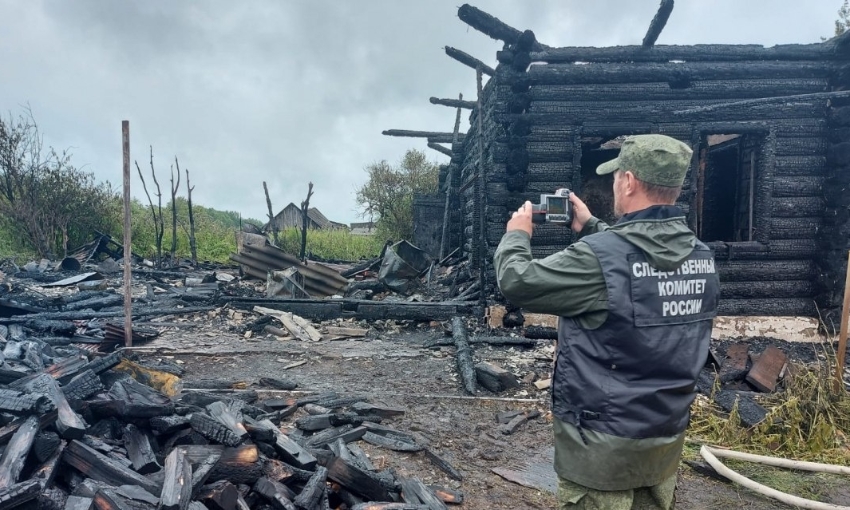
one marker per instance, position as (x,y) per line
(521,219)
(581,214)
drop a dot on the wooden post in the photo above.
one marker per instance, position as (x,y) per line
(449,190)
(304,206)
(482,208)
(842,335)
(128,250)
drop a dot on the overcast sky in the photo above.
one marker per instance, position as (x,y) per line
(291,91)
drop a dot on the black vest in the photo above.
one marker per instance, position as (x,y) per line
(635,376)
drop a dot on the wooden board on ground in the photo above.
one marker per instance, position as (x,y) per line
(539,473)
(496,314)
(300,327)
(766,369)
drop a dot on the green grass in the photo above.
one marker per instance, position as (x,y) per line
(332,244)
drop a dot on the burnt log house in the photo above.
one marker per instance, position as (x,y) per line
(767,186)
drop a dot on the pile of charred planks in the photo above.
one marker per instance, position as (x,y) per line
(82,433)
(740,376)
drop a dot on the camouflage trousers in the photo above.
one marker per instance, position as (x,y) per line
(658,497)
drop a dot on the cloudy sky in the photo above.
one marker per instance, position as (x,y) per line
(290,91)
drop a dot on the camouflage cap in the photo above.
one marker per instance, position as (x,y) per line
(654,159)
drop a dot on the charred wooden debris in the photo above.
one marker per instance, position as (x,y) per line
(769,127)
(90,432)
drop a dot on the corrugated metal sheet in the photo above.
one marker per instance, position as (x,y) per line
(319,280)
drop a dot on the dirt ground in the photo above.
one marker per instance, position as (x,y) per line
(394,368)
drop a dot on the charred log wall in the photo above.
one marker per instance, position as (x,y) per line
(833,239)
(428,222)
(537,117)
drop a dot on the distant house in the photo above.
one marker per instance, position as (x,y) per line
(290,217)
(366,228)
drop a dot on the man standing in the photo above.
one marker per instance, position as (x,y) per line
(636,302)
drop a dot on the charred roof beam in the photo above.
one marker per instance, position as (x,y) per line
(454,103)
(657,24)
(469,60)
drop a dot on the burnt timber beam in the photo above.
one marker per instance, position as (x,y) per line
(680,74)
(464,355)
(766,100)
(364,309)
(439,148)
(433,136)
(467,59)
(491,26)
(454,103)
(658,22)
(690,53)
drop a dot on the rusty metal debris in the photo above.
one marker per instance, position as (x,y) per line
(257,260)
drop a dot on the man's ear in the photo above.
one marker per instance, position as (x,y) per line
(631,183)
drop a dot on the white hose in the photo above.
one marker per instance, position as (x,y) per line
(708,454)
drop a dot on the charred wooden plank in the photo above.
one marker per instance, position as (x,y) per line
(359,457)
(47,471)
(442,464)
(137,494)
(338,402)
(83,386)
(139,450)
(365,408)
(220,412)
(197,505)
(8,376)
(517,421)
(238,465)
(64,370)
(356,479)
(140,400)
(108,498)
(102,364)
(276,493)
(203,471)
(494,378)
(464,355)
(447,495)
(391,443)
(18,494)
(219,496)
(100,467)
(12,461)
(214,430)
(274,404)
(750,413)
(389,506)
(289,450)
(414,491)
(766,369)
(68,423)
(734,366)
(278,384)
(259,432)
(311,495)
(78,503)
(347,433)
(323,421)
(17,402)
(45,445)
(177,487)
(164,425)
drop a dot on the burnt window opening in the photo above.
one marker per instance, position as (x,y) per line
(725,187)
(597,191)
